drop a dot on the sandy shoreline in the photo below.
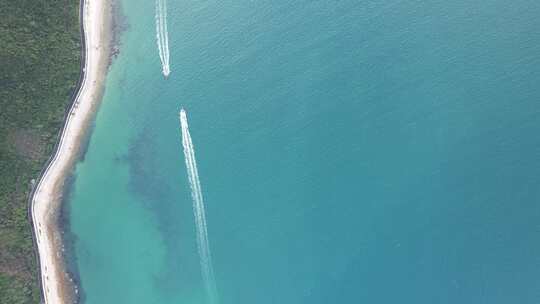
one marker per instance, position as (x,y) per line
(57,286)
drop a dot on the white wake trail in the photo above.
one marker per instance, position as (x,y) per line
(198,211)
(158,32)
(166,36)
(162,36)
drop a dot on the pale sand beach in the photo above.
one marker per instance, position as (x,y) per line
(56,284)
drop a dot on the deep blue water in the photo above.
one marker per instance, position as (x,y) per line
(349,152)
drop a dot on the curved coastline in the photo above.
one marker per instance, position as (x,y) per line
(45,198)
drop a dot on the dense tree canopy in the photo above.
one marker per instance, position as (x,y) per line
(39,64)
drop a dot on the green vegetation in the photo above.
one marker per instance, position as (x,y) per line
(39,68)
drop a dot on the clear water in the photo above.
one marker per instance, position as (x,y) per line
(348,151)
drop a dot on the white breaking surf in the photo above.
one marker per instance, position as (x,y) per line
(198,211)
(162,36)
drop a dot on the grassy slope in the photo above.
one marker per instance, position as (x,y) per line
(39,68)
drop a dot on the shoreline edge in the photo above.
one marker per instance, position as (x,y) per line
(57,287)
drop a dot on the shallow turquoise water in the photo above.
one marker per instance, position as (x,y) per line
(349,152)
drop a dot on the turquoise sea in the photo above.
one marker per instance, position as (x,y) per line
(348,152)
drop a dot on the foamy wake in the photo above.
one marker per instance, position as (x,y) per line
(198,210)
(162,36)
